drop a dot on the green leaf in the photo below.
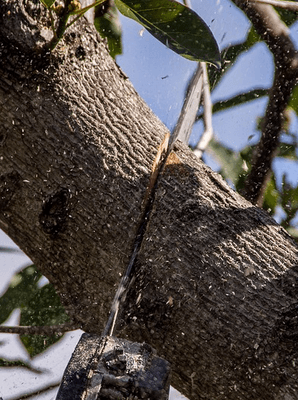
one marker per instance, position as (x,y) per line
(289,203)
(47,3)
(39,307)
(36,344)
(229,160)
(22,288)
(176,26)
(43,309)
(292,231)
(287,16)
(289,197)
(287,150)
(271,196)
(237,100)
(251,39)
(240,99)
(107,23)
(294,100)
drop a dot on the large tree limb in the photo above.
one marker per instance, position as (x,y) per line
(213,288)
(50,125)
(276,35)
(215,284)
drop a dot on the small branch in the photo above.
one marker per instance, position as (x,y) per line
(267,147)
(39,330)
(20,364)
(276,35)
(187,3)
(208,133)
(53,23)
(64,17)
(35,393)
(81,12)
(288,5)
(58,33)
(4,249)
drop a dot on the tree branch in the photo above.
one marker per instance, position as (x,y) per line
(39,330)
(4,249)
(288,5)
(35,392)
(6,363)
(276,35)
(208,132)
(187,3)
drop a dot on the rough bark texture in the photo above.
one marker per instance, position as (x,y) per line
(215,288)
(77,147)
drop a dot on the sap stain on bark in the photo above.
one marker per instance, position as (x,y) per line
(54,213)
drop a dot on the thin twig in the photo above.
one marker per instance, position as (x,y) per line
(288,5)
(4,249)
(62,21)
(52,23)
(35,393)
(187,3)
(208,132)
(81,12)
(6,363)
(39,330)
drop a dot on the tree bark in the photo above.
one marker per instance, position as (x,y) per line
(77,146)
(215,281)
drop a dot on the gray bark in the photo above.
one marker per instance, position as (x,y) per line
(76,153)
(215,281)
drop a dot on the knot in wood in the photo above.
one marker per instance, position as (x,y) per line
(54,213)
